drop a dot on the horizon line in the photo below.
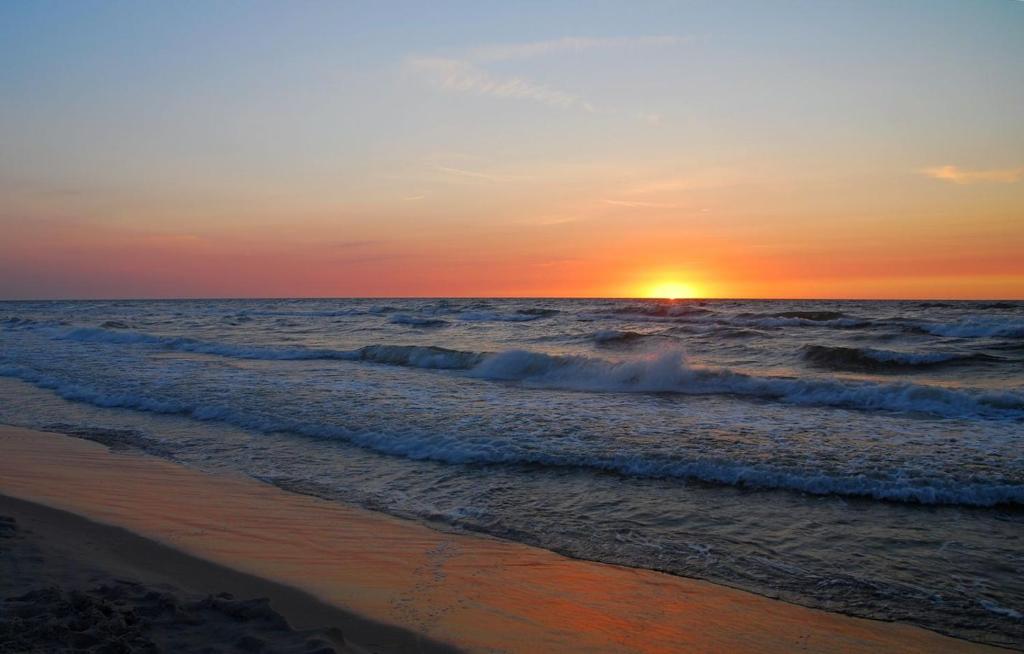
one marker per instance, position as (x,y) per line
(508,297)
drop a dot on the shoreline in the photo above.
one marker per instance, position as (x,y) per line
(474,592)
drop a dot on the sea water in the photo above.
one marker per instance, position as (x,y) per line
(864,457)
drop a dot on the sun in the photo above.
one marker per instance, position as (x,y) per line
(671,291)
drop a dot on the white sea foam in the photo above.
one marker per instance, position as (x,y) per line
(669,372)
(666,372)
(450,447)
(993,607)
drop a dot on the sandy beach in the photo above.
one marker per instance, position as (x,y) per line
(98,527)
(69,581)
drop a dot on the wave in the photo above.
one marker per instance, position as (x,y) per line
(736,332)
(326,313)
(871,359)
(614,337)
(716,330)
(815,316)
(415,356)
(452,448)
(1002,305)
(524,315)
(834,319)
(661,310)
(543,313)
(17,323)
(418,356)
(416,321)
(980,327)
(698,315)
(667,372)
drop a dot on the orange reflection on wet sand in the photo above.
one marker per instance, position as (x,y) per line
(479,593)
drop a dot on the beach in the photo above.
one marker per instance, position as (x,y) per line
(357,579)
(492,327)
(69,581)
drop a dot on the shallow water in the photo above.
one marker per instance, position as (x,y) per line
(858,456)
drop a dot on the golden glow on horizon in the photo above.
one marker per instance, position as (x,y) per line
(671,291)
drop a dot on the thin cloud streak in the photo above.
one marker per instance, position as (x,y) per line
(957,175)
(472,174)
(467,76)
(458,75)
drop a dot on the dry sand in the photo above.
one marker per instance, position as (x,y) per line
(386,584)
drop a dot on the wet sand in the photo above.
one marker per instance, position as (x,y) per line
(375,572)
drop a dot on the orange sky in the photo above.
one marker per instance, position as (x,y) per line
(849,151)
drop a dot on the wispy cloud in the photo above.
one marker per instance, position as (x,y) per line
(458,75)
(958,175)
(466,74)
(706,179)
(473,174)
(508,51)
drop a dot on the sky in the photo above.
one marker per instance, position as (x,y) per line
(860,149)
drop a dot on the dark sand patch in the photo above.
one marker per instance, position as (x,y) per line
(71,585)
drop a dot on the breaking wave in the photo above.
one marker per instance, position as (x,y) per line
(667,372)
(455,448)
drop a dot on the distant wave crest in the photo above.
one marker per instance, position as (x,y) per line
(980,327)
(416,321)
(525,315)
(665,372)
(615,337)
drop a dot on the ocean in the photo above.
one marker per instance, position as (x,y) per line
(857,456)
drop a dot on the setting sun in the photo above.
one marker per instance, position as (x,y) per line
(671,291)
